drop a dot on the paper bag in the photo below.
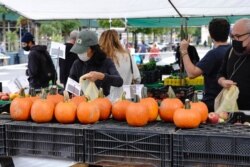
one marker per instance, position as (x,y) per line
(226,100)
(89,89)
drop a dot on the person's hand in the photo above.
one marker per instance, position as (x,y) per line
(93,76)
(225,83)
(184,46)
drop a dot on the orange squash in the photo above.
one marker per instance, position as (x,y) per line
(187,117)
(54,96)
(200,107)
(119,108)
(104,105)
(42,109)
(152,106)
(20,107)
(78,99)
(137,114)
(65,112)
(88,113)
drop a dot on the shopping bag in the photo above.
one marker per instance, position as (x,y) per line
(226,100)
(89,89)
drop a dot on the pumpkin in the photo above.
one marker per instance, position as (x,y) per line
(152,106)
(65,112)
(88,113)
(169,105)
(20,107)
(78,99)
(104,105)
(200,107)
(119,108)
(42,109)
(137,114)
(187,117)
(54,96)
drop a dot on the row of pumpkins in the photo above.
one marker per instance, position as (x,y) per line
(64,110)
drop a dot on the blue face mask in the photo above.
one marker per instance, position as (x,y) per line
(83,56)
(238,46)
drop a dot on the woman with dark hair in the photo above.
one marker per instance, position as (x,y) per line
(93,63)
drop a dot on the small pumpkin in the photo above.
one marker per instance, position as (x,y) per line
(137,114)
(200,107)
(65,112)
(169,106)
(152,106)
(104,105)
(20,107)
(78,99)
(187,117)
(119,108)
(88,113)
(54,96)
(42,109)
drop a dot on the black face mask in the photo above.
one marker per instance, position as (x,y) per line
(26,48)
(238,46)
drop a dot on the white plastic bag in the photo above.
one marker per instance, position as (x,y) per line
(89,89)
(226,100)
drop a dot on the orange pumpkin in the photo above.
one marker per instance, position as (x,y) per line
(200,107)
(119,108)
(152,106)
(88,113)
(65,112)
(20,107)
(137,114)
(42,109)
(54,96)
(187,117)
(168,107)
(78,99)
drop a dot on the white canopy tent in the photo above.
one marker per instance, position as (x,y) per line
(100,9)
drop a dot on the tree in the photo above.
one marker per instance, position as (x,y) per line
(4,11)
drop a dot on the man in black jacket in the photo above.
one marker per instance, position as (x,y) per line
(70,57)
(41,69)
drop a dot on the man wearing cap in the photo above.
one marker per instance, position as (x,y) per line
(40,66)
(93,63)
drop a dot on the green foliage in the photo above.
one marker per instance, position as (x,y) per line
(151,65)
(57,38)
(12,40)
(104,23)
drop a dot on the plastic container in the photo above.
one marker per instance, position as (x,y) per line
(112,141)
(212,145)
(46,140)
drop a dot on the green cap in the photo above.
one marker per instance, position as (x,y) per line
(84,40)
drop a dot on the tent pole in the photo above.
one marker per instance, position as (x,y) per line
(175,8)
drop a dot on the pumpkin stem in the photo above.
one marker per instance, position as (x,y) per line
(137,99)
(53,90)
(123,96)
(195,97)
(32,92)
(66,96)
(187,104)
(21,92)
(171,93)
(43,94)
(87,98)
(100,93)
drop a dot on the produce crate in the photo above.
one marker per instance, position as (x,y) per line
(182,92)
(46,140)
(2,137)
(196,81)
(112,141)
(212,146)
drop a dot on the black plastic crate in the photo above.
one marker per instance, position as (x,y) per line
(2,137)
(212,146)
(46,140)
(112,141)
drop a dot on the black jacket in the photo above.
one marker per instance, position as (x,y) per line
(65,64)
(105,65)
(39,65)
